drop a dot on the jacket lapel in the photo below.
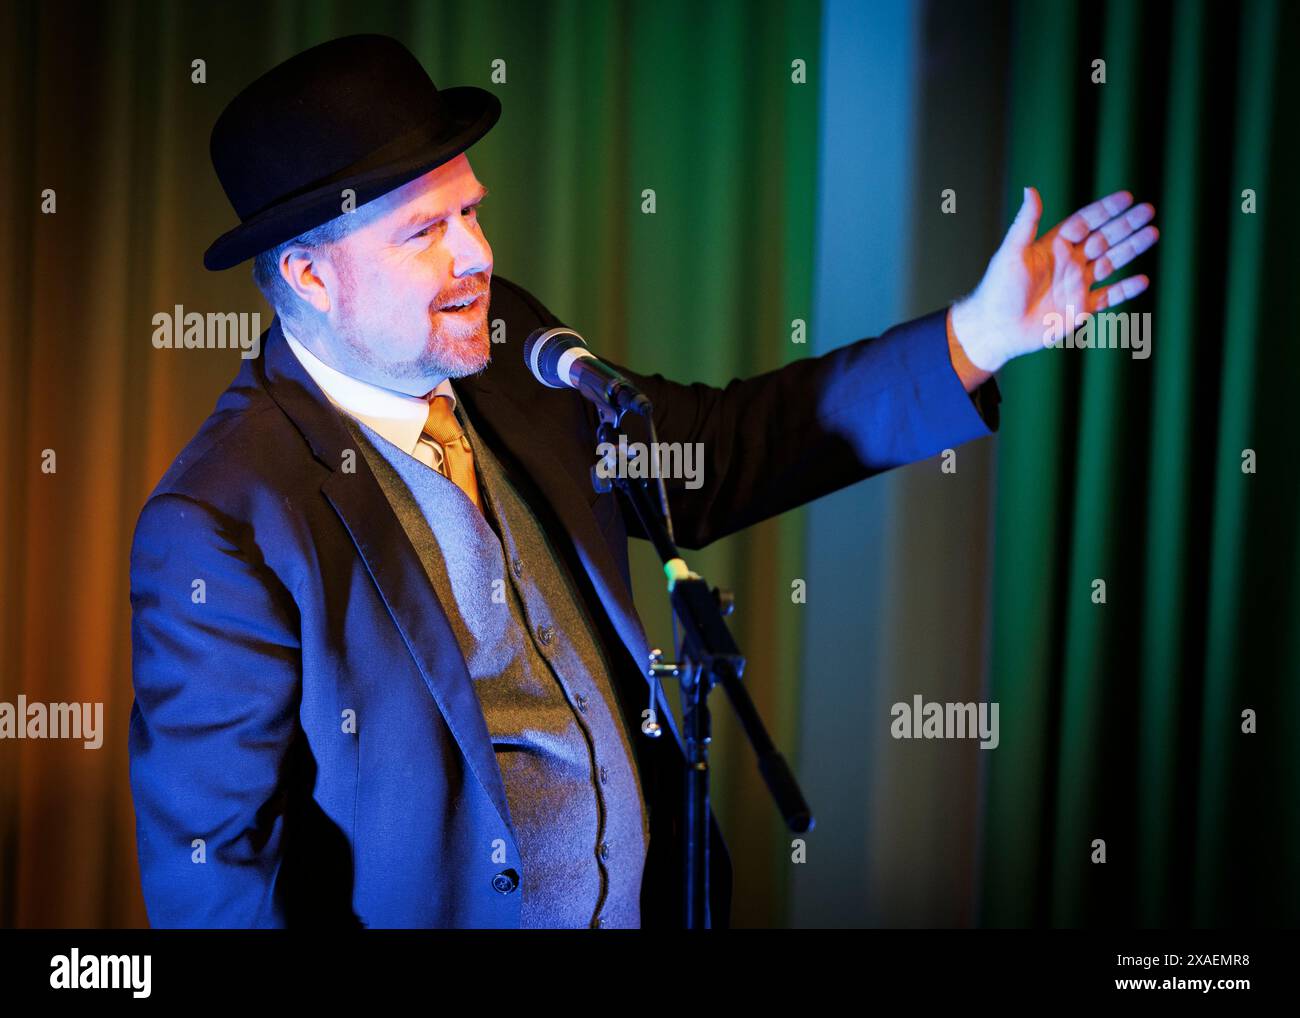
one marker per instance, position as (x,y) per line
(392,562)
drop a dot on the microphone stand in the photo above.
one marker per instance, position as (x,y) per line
(709,656)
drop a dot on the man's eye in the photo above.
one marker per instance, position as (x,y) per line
(468,211)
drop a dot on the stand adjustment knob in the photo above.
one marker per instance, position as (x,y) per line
(659,668)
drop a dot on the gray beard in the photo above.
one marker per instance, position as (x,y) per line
(418,369)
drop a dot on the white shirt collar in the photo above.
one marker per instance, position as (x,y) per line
(399,418)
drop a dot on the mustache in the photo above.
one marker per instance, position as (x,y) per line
(466,292)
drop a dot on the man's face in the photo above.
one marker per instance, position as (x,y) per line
(419,249)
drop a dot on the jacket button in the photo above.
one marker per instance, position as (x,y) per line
(517,567)
(546,634)
(604,851)
(505,881)
(582,703)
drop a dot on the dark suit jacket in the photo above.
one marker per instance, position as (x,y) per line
(275,596)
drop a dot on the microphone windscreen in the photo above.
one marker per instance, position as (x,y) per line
(542,352)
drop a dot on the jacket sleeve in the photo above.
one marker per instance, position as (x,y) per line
(783,438)
(217,673)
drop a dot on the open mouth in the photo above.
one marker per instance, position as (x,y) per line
(462,307)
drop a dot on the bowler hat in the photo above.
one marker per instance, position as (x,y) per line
(356,113)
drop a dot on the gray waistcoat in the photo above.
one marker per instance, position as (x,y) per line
(575,800)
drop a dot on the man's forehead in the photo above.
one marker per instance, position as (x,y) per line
(435,192)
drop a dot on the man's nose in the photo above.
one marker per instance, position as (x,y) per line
(470,251)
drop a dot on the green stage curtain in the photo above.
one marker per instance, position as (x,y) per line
(1123,722)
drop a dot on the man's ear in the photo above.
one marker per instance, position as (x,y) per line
(309,275)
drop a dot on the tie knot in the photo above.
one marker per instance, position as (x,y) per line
(441,424)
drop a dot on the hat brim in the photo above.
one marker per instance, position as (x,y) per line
(474,111)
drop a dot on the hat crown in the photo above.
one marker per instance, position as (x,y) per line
(317,114)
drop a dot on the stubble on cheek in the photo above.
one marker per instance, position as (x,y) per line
(451,348)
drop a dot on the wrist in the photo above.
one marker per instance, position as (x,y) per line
(969,360)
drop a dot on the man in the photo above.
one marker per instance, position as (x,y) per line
(388,671)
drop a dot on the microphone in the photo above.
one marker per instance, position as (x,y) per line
(559,358)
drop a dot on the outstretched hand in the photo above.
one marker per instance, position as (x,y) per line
(1028,280)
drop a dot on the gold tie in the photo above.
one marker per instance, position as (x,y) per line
(452,455)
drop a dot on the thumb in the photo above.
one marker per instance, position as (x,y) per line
(1025,225)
